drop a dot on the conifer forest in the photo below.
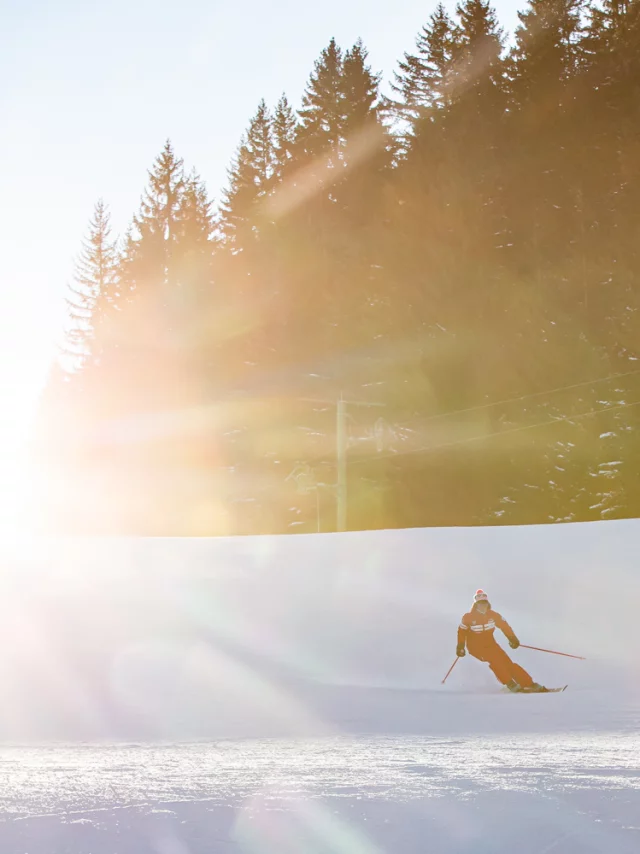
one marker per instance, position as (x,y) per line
(415,303)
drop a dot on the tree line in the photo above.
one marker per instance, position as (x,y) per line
(461,251)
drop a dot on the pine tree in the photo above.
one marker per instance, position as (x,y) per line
(359,91)
(285,125)
(421,83)
(610,175)
(149,248)
(548,48)
(467,140)
(478,69)
(194,238)
(322,111)
(94,291)
(261,142)
(613,41)
(250,179)
(545,63)
(165,272)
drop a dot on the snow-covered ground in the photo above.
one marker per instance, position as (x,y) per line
(569,793)
(284,695)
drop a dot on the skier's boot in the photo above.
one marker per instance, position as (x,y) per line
(513,686)
(536,689)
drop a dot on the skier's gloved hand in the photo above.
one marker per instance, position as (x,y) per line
(514,643)
(460,651)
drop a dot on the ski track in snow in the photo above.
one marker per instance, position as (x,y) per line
(569,793)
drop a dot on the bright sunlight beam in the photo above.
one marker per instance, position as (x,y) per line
(20,387)
(16,479)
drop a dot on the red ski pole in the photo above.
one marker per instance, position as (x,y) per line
(449,670)
(552,651)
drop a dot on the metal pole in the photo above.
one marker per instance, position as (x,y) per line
(341,452)
(449,670)
(552,651)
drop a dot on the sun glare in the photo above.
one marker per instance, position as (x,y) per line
(23,375)
(15,494)
(16,468)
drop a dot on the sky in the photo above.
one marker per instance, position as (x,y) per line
(89,94)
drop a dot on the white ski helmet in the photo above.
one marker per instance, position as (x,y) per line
(480,596)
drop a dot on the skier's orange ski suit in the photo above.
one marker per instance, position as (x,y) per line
(476,631)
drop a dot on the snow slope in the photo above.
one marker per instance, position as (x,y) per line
(300,635)
(284,694)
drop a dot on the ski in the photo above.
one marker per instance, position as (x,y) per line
(505,690)
(545,691)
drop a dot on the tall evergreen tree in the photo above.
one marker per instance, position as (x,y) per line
(477,56)
(149,249)
(340,99)
(359,90)
(322,111)
(94,290)
(285,126)
(250,179)
(552,230)
(194,239)
(606,20)
(195,229)
(613,41)
(610,175)
(166,265)
(421,83)
(548,48)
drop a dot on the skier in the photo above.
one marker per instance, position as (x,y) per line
(476,631)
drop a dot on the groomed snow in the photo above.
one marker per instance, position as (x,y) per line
(284,695)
